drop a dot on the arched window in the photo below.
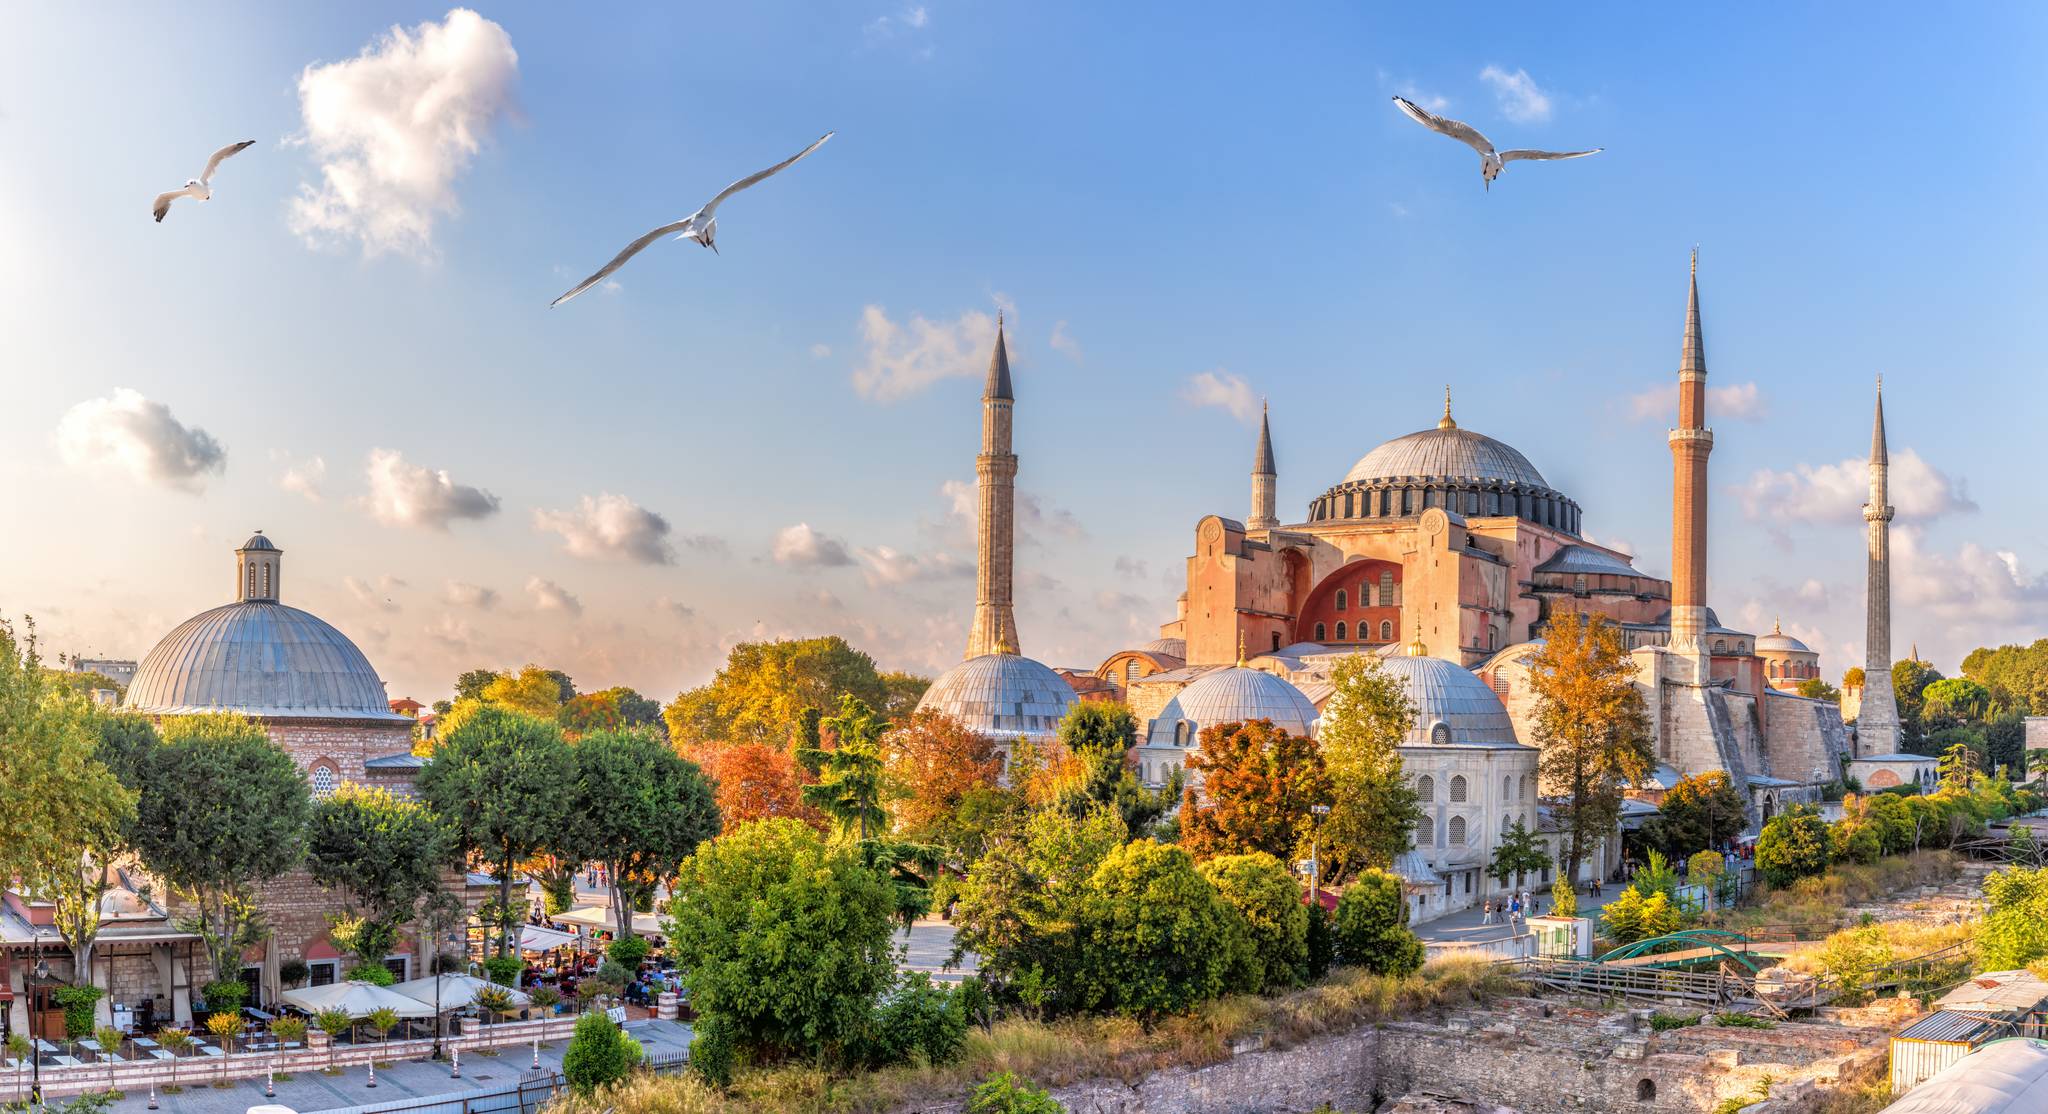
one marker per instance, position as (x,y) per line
(1457,788)
(1522,787)
(1646,1091)
(1340,603)
(1388,596)
(1386,630)
(1440,734)
(252,580)
(1506,789)
(1579,584)
(1276,640)
(267,593)
(1507,824)
(1720,647)
(1425,833)
(323,780)
(1365,593)
(1425,789)
(1130,671)
(1180,733)
(1321,633)
(1457,831)
(1340,628)
(1771,667)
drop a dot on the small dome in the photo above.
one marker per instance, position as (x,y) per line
(1001,696)
(1235,695)
(1781,642)
(1450,453)
(1171,647)
(257,541)
(1447,693)
(258,658)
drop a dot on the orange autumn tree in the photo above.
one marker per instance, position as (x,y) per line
(935,762)
(1258,784)
(754,781)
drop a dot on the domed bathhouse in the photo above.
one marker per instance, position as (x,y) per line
(1002,695)
(1238,694)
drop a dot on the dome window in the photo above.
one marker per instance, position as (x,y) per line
(1458,788)
(1440,734)
(1386,630)
(1180,733)
(1130,670)
(1340,603)
(1321,632)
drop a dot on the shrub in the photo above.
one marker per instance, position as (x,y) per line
(376,974)
(290,1030)
(504,969)
(1322,942)
(2015,931)
(1372,927)
(1744,1021)
(714,1050)
(1631,916)
(1156,938)
(1564,899)
(1007,1094)
(1664,1022)
(918,1019)
(600,1054)
(1268,900)
(225,994)
(544,998)
(226,1026)
(628,950)
(78,1003)
(1793,845)
(292,972)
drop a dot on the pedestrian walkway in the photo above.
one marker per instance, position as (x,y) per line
(1464,927)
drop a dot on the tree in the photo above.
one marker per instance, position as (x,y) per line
(1022,904)
(534,691)
(502,782)
(1634,915)
(384,853)
(93,830)
(613,709)
(1520,852)
(1959,768)
(1909,682)
(2016,675)
(222,809)
(2015,931)
(852,783)
(1268,900)
(1852,677)
(1096,738)
(1372,927)
(1155,937)
(785,940)
(1703,810)
(1590,724)
(1954,700)
(600,1054)
(763,691)
(639,808)
(1259,786)
(1814,688)
(902,692)
(1373,808)
(1793,845)
(755,781)
(472,683)
(936,762)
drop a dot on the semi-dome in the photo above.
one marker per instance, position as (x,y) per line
(1462,472)
(1233,695)
(1447,694)
(1171,647)
(1001,696)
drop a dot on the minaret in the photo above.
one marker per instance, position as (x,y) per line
(1265,478)
(1690,444)
(995,470)
(1877,721)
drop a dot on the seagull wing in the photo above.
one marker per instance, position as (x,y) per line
(213,163)
(1511,156)
(1458,130)
(619,260)
(163,201)
(750,179)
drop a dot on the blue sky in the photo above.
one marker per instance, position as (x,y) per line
(1152,192)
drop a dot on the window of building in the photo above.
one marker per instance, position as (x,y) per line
(1440,734)
(1276,640)
(1579,585)
(1425,833)
(267,593)
(1340,602)
(1506,824)
(1522,788)
(1340,629)
(1425,789)
(1365,593)
(1386,630)
(1457,831)
(1458,790)
(399,965)
(1387,597)
(323,780)
(1321,633)
(1720,645)
(1130,670)
(252,579)
(322,972)
(1180,733)
(1506,785)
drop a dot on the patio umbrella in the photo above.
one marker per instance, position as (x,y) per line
(358,998)
(600,916)
(457,991)
(539,938)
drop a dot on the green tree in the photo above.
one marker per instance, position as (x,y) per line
(853,784)
(1098,736)
(612,709)
(222,810)
(1372,927)
(502,783)
(1373,808)
(1814,688)
(1909,684)
(1959,768)
(600,1054)
(383,853)
(1259,787)
(766,687)
(1520,852)
(1268,900)
(533,691)
(1852,677)
(2016,675)
(472,683)
(1005,1093)
(97,821)
(1702,811)
(1022,904)
(902,691)
(1590,724)
(1793,845)
(1633,915)
(2015,931)
(639,808)
(785,939)
(1954,700)
(1156,938)
(1564,899)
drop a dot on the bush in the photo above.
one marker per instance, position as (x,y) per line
(504,969)
(544,999)
(1007,1094)
(1631,916)
(376,974)
(613,973)
(2015,931)
(714,1051)
(919,1018)
(1793,845)
(600,1054)
(225,994)
(1372,927)
(1156,938)
(1664,1022)
(292,972)
(628,950)
(1564,898)
(1322,942)
(1268,900)
(78,1003)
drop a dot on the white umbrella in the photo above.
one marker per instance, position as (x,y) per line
(540,938)
(457,991)
(600,916)
(358,998)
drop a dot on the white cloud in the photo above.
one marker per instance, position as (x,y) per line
(1619,545)
(802,547)
(550,596)
(141,437)
(376,597)
(903,24)
(1520,99)
(1738,402)
(1836,492)
(1134,567)
(820,351)
(463,594)
(305,477)
(672,607)
(903,359)
(406,494)
(1397,209)
(1035,516)
(1224,391)
(1064,343)
(1976,585)
(1812,591)
(610,528)
(395,126)
(884,566)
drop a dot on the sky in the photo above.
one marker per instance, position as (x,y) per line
(1179,208)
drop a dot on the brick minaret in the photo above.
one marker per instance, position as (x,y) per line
(995,470)
(1264,479)
(1690,444)
(1877,721)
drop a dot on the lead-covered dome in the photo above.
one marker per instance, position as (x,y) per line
(1447,694)
(1462,472)
(1234,695)
(1447,453)
(1001,696)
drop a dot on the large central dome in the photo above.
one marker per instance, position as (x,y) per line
(1463,472)
(1446,453)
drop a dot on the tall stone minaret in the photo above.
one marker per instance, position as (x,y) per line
(1690,444)
(1877,721)
(1264,479)
(995,470)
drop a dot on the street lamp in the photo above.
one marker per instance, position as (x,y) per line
(35,1055)
(1315,854)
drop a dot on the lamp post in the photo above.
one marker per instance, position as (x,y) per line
(1315,853)
(35,1055)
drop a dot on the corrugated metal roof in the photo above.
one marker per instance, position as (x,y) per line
(405,761)
(1949,1027)
(1579,559)
(2003,1077)
(1997,992)
(1451,453)
(259,658)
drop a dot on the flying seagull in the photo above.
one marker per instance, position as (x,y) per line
(1491,163)
(701,226)
(200,187)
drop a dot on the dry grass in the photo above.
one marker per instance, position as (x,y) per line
(1821,900)
(1904,939)
(1055,1053)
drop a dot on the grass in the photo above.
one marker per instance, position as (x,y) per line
(1052,1054)
(1744,1021)
(1665,1022)
(1820,900)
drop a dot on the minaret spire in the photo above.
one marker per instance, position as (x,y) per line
(1265,478)
(1447,422)
(1691,442)
(1877,721)
(995,470)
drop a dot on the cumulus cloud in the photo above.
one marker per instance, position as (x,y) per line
(885,566)
(395,126)
(463,594)
(674,608)
(1035,516)
(800,546)
(550,596)
(1812,591)
(1975,585)
(1224,391)
(610,528)
(1737,402)
(1064,343)
(905,358)
(406,494)
(139,436)
(1134,567)
(1520,98)
(304,477)
(1836,492)
(378,596)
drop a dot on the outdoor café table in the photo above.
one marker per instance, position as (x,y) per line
(144,1042)
(44,1046)
(90,1045)
(259,1015)
(161,1054)
(211,1050)
(67,1061)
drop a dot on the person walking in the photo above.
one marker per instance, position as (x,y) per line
(1514,909)
(1486,911)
